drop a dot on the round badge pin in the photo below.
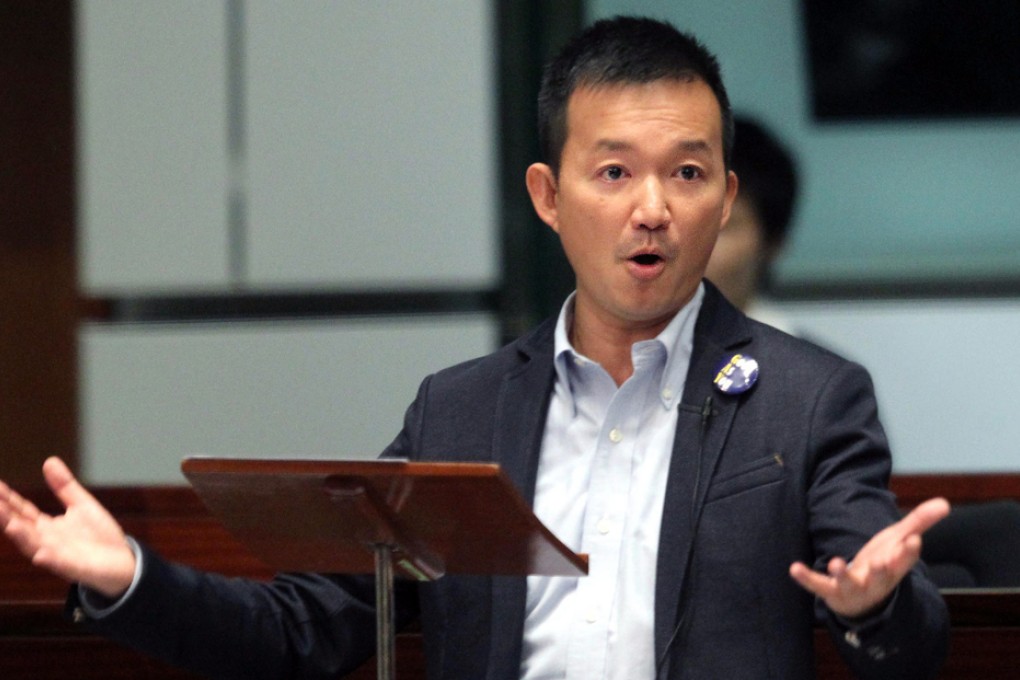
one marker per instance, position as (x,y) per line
(737,374)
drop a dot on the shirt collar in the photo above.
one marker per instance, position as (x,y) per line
(677,338)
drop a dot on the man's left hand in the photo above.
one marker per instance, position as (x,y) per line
(857,589)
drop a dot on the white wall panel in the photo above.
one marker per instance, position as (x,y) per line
(152,126)
(152,394)
(371,143)
(945,373)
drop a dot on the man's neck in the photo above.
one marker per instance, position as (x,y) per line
(610,345)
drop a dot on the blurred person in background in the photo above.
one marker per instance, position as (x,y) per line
(759,221)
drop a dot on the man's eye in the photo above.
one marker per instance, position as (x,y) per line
(613,173)
(690,172)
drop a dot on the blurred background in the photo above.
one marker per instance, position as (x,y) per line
(250,228)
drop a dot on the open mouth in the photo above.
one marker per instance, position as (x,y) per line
(646,259)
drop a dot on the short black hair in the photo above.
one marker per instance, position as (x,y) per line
(768,177)
(624,50)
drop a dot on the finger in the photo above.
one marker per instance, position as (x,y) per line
(64,484)
(15,506)
(837,567)
(6,511)
(820,585)
(24,535)
(888,567)
(899,561)
(924,516)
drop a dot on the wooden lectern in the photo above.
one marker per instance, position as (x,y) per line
(421,520)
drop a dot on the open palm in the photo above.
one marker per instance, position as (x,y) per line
(856,588)
(85,544)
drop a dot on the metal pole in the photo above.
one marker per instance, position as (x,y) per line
(384,613)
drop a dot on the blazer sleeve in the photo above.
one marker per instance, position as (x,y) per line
(848,503)
(297,625)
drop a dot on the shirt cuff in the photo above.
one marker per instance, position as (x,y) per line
(98,606)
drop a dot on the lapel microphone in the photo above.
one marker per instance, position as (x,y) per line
(706,412)
(736,375)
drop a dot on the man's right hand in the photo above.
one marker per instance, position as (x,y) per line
(84,545)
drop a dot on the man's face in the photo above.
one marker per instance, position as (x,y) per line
(641,196)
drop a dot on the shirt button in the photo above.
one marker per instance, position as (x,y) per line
(604,526)
(615,435)
(592,616)
(667,394)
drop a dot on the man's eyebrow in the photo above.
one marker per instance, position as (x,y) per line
(694,146)
(684,145)
(613,145)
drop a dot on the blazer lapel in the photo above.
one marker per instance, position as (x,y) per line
(704,422)
(519,428)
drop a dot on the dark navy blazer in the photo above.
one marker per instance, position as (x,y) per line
(794,469)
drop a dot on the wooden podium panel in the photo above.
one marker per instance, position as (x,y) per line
(325,516)
(381,516)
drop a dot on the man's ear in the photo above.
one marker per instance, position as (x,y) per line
(542,188)
(732,185)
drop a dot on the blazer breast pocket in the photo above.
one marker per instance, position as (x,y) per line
(757,474)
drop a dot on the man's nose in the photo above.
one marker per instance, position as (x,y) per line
(651,211)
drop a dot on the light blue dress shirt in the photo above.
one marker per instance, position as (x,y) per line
(601,487)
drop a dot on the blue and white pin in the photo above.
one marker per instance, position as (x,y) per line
(737,374)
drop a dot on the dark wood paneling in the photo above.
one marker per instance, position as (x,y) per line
(36,643)
(911,490)
(38,313)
